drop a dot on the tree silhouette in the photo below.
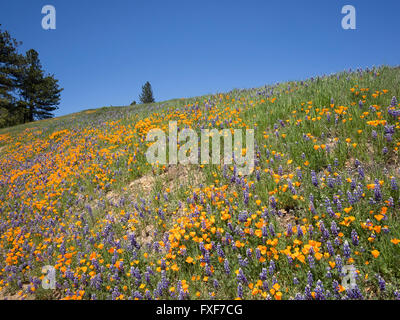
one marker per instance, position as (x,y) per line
(147,94)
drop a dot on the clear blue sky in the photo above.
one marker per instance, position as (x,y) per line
(103,51)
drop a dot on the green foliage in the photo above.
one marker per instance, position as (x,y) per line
(40,93)
(26,93)
(10,74)
(147,94)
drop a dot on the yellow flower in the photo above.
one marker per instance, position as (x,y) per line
(189,260)
(375,253)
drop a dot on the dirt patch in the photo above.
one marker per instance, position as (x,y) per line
(177,177)
(16,297)
(174,178)
(147,235)
(144,184)
(285,218)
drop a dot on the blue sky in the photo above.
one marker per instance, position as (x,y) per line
(103,51)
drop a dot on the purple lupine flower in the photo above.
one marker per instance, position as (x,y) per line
(208,270)
(291,187)
(264,231)
(393,102)
(137,295)
(163,264)
(331,182)
(243,262)
(339,204)
(336,162)
(377,191)
(319,291)
(271,268)
(226,267)
(354,293)
(307,292)
(240,290)
(147,277)
(346,250)
(311,261)
(393,184)
(324,231)
(328,272)
(289,230)
(299,174)
(246,197)
(263,274)
(249,253)
(216,283)
(381,282)
(354,237)
(334,228)
(299,296)
(207,257)
(339,263)
(299,232)
(258,254)
(181,295)
(350,198)
(310,279)
(272,230)
(361,172)
(314,178)
(312,208)
(273,202)
(336,119)
(220,252)
(241,276)
(96,281)
(310,230)
(115,294)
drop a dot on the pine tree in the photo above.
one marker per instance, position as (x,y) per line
(147,94)
(40,92)
(11,63)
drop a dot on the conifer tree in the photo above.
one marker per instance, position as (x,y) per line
(40,92)
(11,63)
(147,94)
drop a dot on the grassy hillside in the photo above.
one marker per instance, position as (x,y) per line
(77,193)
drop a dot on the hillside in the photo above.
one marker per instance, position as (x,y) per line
(78,193)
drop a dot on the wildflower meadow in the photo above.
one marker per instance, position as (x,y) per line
(318,216)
